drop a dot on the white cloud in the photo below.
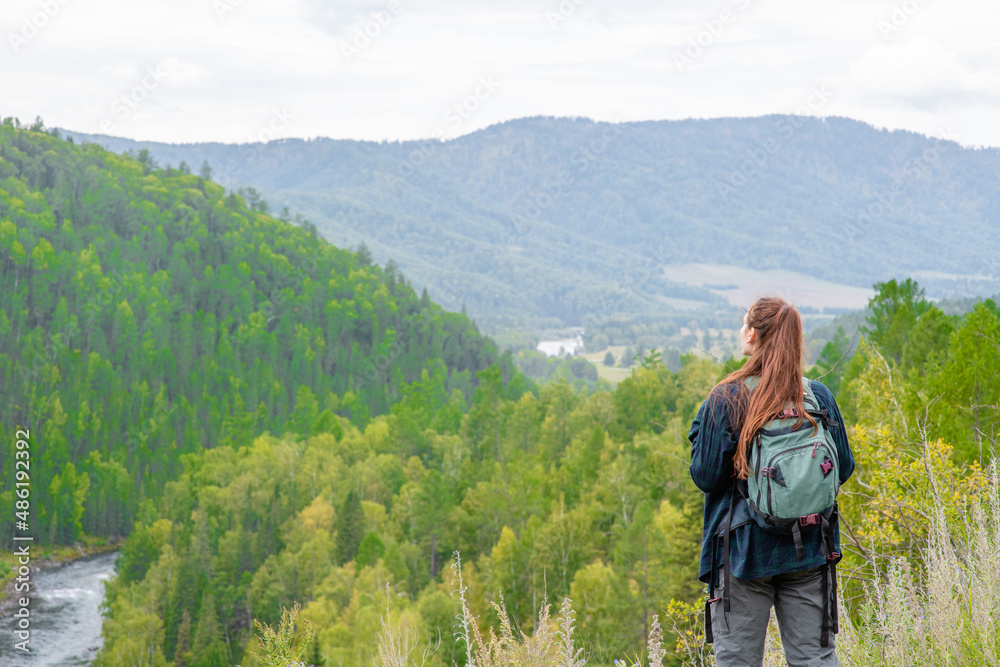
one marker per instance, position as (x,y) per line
(922,74)
(180,74)
(604,59)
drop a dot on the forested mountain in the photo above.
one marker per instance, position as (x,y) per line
(145,314)
(544,496)
(275,420)
(556,221)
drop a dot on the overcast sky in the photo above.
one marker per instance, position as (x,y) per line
(241,70)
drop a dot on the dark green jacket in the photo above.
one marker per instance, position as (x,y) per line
(753,552)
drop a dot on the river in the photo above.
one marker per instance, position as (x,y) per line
(65,615)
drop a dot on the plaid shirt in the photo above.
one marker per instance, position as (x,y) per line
(753,552)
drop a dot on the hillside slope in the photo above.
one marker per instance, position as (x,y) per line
(144,314)
(552,220)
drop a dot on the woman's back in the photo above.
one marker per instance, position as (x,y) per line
(761,567)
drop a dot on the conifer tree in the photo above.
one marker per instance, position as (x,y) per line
(349,527)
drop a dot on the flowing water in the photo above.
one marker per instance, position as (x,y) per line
(65,615)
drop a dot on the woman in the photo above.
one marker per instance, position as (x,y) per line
(763,567)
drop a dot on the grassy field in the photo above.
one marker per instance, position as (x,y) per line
(741,286)
(612,374)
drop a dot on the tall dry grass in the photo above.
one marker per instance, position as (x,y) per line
(943,608)
(553,644)
(938,607)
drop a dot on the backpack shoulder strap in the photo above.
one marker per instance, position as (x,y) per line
(807,393)
(813,408)
(810,402)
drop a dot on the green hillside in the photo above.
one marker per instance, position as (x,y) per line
(559,495)
(544,497)
(549,222)
(145,315)
(272,420)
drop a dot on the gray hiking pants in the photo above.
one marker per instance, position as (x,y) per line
(798,605)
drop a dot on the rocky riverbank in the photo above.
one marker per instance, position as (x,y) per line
(45,558)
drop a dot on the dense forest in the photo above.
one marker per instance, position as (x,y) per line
(272,420)
(550,222)
(546,496)
(145,315)
(559,494)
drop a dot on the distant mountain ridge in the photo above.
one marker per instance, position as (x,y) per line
(560,221)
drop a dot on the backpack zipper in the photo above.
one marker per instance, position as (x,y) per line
(756,471)
(815,445)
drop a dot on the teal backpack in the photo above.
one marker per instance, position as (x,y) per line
(795,473)
(792,487)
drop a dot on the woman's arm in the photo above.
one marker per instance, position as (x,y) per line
(712,446)
(839,432)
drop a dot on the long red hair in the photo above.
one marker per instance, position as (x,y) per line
(777,359)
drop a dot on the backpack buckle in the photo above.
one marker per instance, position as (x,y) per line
(834,557)
(768,472)
(826,466)
(810,520)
